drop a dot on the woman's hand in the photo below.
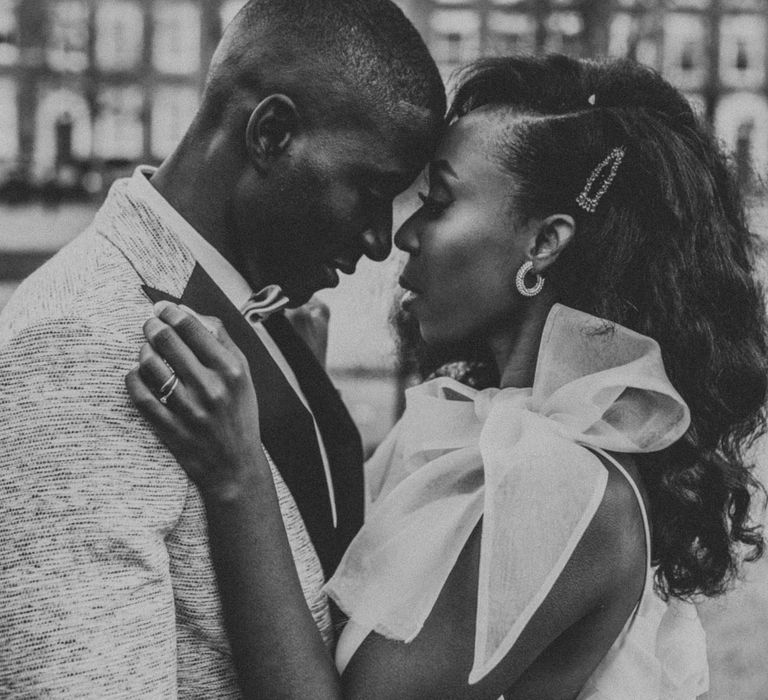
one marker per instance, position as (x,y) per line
(193,385)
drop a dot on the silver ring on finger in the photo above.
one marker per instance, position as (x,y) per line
(169,386)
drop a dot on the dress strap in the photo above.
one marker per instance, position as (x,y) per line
(643,511)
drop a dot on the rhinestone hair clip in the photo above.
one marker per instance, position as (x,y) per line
(589,197)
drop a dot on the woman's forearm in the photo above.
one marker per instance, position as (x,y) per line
(277,648)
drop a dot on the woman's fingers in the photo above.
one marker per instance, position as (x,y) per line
(184,407)
(216,329)
(205,336)
(144,396)
(170,428)
(157,375)
(172,349)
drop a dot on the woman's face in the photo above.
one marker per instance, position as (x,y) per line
(464,243)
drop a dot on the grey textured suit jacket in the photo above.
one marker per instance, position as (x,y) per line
(106,586)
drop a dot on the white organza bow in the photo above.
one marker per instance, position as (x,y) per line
(516,459)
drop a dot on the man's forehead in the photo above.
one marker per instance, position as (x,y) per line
(409,131)
(395,156)
(385,144)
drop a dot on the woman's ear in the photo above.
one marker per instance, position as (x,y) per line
(271,127)
(553,234)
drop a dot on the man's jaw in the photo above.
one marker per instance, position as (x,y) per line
(324,275)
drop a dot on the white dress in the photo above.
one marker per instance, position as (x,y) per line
(516,458)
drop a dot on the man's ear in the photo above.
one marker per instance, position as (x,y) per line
(271,127)
(553,234)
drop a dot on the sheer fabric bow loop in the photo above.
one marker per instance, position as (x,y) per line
(516,459)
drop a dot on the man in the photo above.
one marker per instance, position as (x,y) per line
(316,113)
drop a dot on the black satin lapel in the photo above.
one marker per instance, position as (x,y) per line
(156,295)
(340,435)
(287,429)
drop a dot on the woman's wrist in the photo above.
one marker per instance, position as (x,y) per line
(247,483)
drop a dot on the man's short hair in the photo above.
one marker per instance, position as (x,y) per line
(322,52)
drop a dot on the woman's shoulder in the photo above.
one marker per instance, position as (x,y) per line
(608,525)
(617,537)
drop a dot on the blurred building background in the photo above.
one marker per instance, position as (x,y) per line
(713,50)
(90,88)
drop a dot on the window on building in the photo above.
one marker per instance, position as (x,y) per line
(176,45)
(622,35)
(512,33)
(68,35)
(743,40)
(455,38)
(62,128)
(173,107)
(118,131)
(688,56)
(453,42)
(9,50)
(631,36)
(9,138)
(564,33)
(742,57)
(743,153)
(741,123)
(119,34)
(685,41)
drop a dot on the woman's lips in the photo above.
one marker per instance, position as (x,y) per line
(408,299)
(406,284)
(411,293)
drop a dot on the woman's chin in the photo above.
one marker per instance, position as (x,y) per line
(438,334)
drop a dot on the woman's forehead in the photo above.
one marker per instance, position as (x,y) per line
(475,140)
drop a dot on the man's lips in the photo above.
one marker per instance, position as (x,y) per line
(332,268)
(345,266)
(331,277)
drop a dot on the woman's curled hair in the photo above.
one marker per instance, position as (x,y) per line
(666,252)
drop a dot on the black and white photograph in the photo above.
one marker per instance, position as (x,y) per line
(384,349)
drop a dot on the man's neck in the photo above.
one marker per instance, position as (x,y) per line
(199,181)
(197,193)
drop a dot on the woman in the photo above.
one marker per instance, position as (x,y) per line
(582,228)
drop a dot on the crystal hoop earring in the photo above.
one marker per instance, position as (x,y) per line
(525,268)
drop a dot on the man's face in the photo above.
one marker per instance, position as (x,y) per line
(324,204)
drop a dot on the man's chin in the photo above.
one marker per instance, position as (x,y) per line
(297,298)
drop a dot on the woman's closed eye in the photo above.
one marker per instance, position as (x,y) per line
(432,206)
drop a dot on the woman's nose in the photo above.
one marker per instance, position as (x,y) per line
(407,237)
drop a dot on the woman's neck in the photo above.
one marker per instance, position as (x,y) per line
(516,347)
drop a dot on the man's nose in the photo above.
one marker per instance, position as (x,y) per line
(377,240)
